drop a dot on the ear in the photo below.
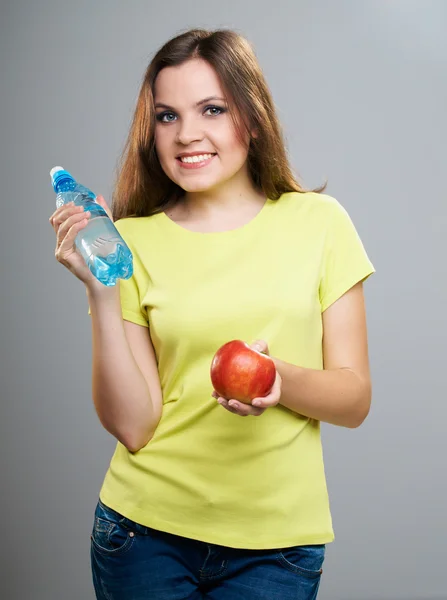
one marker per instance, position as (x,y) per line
(254,133)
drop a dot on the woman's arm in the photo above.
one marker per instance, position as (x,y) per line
(341,393)
(125,382)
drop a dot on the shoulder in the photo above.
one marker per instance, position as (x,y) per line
(313,206)
(311,200)
(134,227)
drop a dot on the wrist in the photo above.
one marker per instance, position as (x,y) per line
(99,292)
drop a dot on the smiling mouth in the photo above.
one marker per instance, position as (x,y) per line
(195,162)
(198,158)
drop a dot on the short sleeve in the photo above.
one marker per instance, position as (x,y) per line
(131,302)
(345,261)
(132,290)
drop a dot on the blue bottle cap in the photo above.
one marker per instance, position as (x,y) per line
(58,174)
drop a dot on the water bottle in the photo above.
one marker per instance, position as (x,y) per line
(99,242)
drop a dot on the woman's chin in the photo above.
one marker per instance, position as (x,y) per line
(197,186)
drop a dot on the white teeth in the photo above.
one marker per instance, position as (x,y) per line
(195,159)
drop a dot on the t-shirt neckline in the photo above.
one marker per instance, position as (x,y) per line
(255,222)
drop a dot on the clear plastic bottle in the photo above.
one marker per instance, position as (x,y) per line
(105,252)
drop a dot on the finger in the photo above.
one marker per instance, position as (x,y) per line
(101,200)
(272,397)
(265,402)
(270,400)
(238,408)
(62,214)
(245,409)
(58,211)
(260,346)
(68,223)
(224,403)
(67,244)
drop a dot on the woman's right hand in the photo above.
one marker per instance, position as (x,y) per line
(67,221)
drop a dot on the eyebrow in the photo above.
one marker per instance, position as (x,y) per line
(199,103)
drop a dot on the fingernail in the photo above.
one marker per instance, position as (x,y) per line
(256,403)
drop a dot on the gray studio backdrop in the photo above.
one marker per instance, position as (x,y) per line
(361,89)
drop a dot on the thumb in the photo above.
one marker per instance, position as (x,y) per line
(260,346)
(100,200)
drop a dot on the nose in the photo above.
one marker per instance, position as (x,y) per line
(189,132)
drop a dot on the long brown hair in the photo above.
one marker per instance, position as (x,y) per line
(142,188)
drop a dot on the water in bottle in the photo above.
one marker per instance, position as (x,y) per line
(99,242)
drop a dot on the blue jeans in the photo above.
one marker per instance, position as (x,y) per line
(133,562)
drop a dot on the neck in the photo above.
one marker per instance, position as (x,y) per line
(230,197)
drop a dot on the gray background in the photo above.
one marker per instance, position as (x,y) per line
(361,89)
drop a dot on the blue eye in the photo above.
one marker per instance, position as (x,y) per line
(161,117)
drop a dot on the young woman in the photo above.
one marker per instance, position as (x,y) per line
(199,502)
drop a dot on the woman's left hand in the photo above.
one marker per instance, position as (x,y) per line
(258,405)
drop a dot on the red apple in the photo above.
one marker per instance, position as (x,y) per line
(240,373)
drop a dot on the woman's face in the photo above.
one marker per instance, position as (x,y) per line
(192,120)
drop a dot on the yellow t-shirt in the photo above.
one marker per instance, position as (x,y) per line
(207,474)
